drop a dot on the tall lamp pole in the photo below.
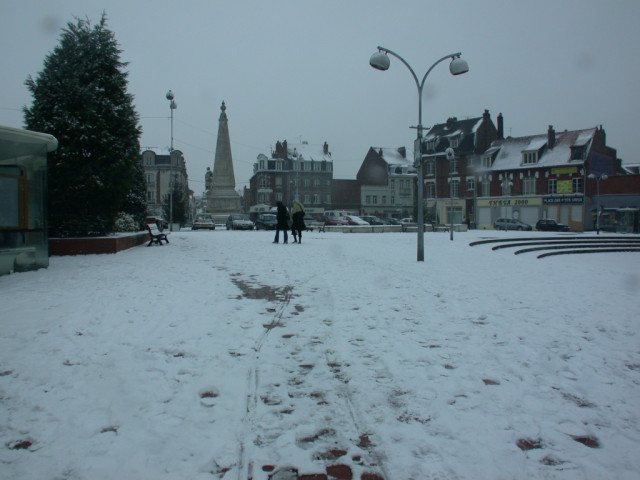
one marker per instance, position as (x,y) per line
(172,106)
(597,178)
(380,61)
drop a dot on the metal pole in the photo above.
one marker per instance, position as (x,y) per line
(598,206)
(420,213)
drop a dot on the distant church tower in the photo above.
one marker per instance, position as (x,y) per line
(221,194)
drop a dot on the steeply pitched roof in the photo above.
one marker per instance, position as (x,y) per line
(394,156)
(509,150)
(306,152)
(464,130)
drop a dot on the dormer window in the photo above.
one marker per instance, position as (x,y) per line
(454,142)
(578,153)
(530,157)
(486,161)
(431,145)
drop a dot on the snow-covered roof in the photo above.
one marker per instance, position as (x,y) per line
(393,156)
(463,130)
(510,152)
(306,152)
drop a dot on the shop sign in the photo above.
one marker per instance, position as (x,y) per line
(564,186)
(564,170)
(564,200)
(510,202)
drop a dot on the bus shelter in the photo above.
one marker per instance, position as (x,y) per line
(23,204)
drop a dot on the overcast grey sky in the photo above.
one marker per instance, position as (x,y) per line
(299,70)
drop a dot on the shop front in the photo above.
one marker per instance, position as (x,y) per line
(525,209)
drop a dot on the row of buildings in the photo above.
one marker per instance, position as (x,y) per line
(562,175)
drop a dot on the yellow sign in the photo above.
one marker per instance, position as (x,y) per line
(564,187)
(564,170)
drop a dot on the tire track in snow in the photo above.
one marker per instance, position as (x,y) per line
(283,297)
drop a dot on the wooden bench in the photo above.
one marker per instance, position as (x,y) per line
(155,235)
(315,225)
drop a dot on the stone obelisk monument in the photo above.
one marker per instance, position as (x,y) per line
(221,194)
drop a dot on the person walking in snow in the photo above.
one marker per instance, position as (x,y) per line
(297,226)
(282,218)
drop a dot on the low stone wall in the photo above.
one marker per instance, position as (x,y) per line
(96,245)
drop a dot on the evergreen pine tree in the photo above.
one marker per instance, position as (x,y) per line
(81,98)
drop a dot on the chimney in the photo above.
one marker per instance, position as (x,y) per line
(500,126)
(325,148)
(485,115)
(450,121)
(551,137)
(403,152)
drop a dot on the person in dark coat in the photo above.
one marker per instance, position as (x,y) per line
(297,226)
(282,218)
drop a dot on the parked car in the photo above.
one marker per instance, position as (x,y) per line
(392,221)
(548,225)
(203,220)
(407,220)
(511,224)
(331,221)
(266,221)
(239,221)
(372,220)
(354,220)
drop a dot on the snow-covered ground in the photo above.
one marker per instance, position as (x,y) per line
(222,355)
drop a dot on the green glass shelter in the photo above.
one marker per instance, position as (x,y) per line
(23,199)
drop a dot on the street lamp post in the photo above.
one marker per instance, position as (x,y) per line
(597,178)
(451,155)
(380,61)
(172,106)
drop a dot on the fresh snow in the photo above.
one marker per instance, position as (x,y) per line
(222,355)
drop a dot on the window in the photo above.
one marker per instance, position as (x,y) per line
(328,198)
(430,145)
(262,165)
(552,186)
(316,182)
(471,184)
(430,167)
(453,165)
(306,182)
(529,186)
(307,198)
(506,186)
(317,166)
(375,199)
(263,181)
(316,198)
(454,141)
(431,189)
(384,199)
(367,199)
(454,187)
(278,181)
(486,188)
(577,185)
(278,197)
(279,165)
(486,161)
(577,153)
(530,157)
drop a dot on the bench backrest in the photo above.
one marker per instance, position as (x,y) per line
(153,228)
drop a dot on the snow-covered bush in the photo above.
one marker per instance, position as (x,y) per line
(125,223)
